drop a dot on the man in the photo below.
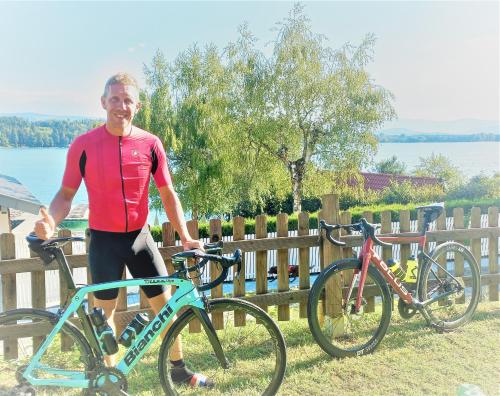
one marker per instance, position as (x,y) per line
(116,160)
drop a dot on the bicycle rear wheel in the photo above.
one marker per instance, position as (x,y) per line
(69,350)
(252,343)
(339,330)
(461,283)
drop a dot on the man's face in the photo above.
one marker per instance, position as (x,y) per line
(121,104)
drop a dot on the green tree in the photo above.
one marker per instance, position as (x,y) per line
(391,166)
(157,111)
(477,187)
(439,166)
(308,106)
(202,158)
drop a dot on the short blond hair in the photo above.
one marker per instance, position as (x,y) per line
(121,78)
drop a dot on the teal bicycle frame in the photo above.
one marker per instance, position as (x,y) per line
(185,295)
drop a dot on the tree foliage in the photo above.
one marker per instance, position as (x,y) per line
(439,166)
(390,166)
(310,107)
(240,126)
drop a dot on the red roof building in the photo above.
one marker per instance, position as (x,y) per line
(379,181)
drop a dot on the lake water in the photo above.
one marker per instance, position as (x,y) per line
(41,169)
(472,158)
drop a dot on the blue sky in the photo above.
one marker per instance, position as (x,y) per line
(440,59)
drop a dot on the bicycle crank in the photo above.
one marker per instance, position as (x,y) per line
(406,311)
(109,382)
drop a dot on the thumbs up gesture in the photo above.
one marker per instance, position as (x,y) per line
(45,227)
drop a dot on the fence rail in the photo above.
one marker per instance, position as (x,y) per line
(26,282)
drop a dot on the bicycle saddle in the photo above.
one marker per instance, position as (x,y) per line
(44,248)
(432,211)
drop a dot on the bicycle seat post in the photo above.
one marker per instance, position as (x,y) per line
(65,270)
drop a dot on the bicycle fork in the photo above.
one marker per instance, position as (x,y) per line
(212,336)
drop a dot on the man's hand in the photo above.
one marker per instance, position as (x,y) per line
(193,244)
(45,227)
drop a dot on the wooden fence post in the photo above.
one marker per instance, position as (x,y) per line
(370,301)
(493,253)
(38,296)
(282,256)
(347,252)
(304,270)
(9,294)
(385,218)
(404,226)
(90,296)
(420,225)
(333,288)
(192,226)
(168,239)
(261,258)
(345,218)
(66,342)
(458,224)
(215,271)
(440,226)
(321,239)
(405,248)
(475,222)
(239,284)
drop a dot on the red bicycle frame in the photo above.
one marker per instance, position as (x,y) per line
(368,255)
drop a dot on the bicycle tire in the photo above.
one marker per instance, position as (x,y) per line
(346,333)
(256,352)
(454,310)
(78,357)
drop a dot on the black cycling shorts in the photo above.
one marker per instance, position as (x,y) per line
(109,252)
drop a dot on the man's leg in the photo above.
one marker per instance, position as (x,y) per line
(108,306)
(146,261)
(106,265)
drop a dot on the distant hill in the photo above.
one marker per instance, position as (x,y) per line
(45,117)
(22,132)
(455,127)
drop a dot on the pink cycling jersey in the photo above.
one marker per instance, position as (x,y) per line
(116,171)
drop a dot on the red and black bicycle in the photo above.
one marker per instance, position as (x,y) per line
(350,303)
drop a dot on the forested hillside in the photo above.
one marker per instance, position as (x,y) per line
(18,132)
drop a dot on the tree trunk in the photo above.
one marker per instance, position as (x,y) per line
(297,173)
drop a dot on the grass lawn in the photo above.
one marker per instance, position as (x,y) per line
(411,360)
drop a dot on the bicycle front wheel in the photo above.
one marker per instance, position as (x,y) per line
(336,326)
(454,275)
(251,341)
(23,330)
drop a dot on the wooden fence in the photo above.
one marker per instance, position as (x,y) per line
(261,244)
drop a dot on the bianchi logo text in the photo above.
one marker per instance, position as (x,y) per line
(134,352)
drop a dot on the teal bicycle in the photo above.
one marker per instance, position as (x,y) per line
(245,355)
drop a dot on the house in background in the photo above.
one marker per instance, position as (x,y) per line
(379,181)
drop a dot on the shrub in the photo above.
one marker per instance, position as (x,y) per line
(356,212)
(406,192)
(477,187)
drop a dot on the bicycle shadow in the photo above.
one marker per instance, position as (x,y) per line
(400,334)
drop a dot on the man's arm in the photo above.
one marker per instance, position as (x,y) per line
(175,214)
(58,210)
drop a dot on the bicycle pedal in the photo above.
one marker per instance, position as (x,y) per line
(438,328)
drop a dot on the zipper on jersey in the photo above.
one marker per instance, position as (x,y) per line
(123,184)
